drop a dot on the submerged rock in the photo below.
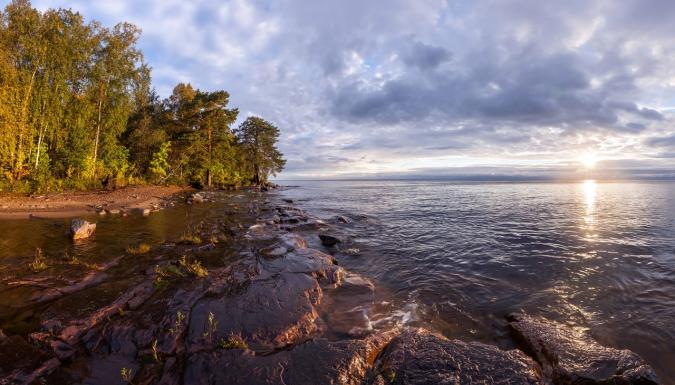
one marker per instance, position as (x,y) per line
(328,240)
(81,229)
(571,356)
(418,356)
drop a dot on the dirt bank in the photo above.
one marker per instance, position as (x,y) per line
(69,204)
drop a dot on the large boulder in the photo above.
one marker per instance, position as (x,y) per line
(418,356)
(570,356)
(81,229)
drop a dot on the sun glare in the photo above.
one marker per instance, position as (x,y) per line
(588,160)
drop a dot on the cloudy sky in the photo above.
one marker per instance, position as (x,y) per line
(429,87)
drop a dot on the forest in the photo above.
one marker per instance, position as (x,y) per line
(78,111)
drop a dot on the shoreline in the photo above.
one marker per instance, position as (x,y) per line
(72,204)
(263,318)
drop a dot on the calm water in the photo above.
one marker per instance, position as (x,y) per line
(460,256)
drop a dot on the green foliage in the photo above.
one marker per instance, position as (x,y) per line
(78,112)
(159,165)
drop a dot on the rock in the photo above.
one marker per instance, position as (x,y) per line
(268,313)
(144,211)
(341,315)
(319,265)
(570,356)
(18,356)
(260,232)
(315,362)
(274,251)
(418,356)
(292,241)
(329,240)
(288,200)
(342,219)
(198,198)
(114,211)
(81,229)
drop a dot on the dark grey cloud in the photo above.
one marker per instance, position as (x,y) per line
(425,56)
(662,141)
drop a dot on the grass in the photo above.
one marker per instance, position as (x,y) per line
(39,262)
(190,238)
(164,274)
(155,353)
(142,248)
(178,323)
(235,341)
(211,326)
(184,267)
(195,267)
(126,375)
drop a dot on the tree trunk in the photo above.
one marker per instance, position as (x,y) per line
(41,132)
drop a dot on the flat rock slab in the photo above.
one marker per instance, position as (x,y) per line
(315,362)
(418,357)
(571,356)
(267,313)
(308,261)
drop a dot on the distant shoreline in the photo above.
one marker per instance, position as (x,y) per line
(70,204)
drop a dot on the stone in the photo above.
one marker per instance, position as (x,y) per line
(314,362)
(267,313)
(418,356)
(341,315)
(328,240)
(198,198)
(570,356)
(342,219)
(81,229)
(144,211)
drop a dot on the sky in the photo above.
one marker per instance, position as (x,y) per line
(429,88)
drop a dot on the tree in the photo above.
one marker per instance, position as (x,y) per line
(78,109)
(258,139)
(159,165)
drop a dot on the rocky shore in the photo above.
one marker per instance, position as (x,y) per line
(70,204)
(260,315)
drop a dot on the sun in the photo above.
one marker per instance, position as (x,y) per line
(588,160)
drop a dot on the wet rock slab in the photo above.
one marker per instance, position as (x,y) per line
(314,362)
(418,357)
(571,356)
(268,313)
